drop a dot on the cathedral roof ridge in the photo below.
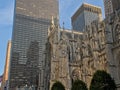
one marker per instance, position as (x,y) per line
(71,31)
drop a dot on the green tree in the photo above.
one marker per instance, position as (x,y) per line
(58,86)
(79,85)
(102,81)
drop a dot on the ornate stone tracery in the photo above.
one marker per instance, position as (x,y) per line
(78,55)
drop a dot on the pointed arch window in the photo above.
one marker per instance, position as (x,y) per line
(117,33)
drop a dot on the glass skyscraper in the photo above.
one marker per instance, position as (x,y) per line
(85,15)
(27,64)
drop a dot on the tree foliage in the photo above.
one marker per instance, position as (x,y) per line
(79,85)
(58,86)
(102,81)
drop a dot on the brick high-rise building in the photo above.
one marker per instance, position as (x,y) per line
(116,4)
(108,7)
(111,6)
(31,21)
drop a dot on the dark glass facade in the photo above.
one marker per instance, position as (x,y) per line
(84,16)
(31,21)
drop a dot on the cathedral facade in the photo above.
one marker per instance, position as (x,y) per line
(75,55)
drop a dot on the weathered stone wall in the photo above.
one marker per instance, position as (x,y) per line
(75,55)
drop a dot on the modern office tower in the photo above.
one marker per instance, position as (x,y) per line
(111,6)
(27,64)
(85,15)
(4,84)
(108,7)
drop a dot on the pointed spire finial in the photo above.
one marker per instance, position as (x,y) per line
(63,25)
(52,20)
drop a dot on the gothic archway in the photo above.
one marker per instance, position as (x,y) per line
(118,58)
(75,74)
(116,32)
(118,64)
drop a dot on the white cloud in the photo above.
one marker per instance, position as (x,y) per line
(6,15)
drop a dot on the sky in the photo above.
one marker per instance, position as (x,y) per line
(66,9)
